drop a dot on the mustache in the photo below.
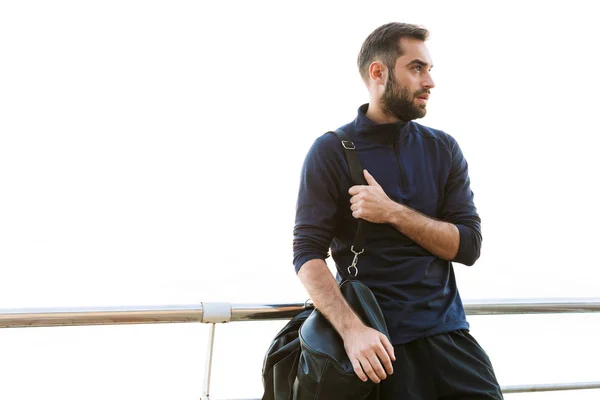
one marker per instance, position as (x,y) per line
(421,92)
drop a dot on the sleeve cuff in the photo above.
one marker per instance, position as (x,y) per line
(300,261)
(469,246)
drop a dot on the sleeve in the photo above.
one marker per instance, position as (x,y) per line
(459,208)
(318,196)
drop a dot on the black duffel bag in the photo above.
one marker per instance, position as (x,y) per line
(281,361)
(324,369)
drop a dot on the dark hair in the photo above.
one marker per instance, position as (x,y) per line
(384,44)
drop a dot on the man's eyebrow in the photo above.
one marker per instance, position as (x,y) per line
(419,62)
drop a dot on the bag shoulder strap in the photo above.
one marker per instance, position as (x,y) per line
(356,171)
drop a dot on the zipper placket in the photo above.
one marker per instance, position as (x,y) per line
(401,175)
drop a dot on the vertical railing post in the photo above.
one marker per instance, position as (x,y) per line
(213,314)
(209,357)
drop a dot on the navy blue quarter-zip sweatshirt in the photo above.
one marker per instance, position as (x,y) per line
(419,167)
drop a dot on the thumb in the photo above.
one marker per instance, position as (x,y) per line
(369,178)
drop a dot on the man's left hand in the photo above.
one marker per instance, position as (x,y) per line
(370,202)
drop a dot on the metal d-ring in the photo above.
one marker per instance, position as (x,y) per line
(355,274)
(354,262)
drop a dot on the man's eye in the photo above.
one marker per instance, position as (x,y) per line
(418,68)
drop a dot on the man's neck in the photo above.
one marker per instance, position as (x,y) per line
(376,114)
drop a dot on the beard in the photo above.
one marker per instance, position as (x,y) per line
(399,102)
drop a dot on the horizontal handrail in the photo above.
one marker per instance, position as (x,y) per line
(532,306)
(226,312)
(550,387)
(47,317)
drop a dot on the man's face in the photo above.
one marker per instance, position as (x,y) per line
(409,83)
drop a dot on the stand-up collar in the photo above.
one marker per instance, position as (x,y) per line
(368,129)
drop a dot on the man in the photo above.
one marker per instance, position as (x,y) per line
(422,218)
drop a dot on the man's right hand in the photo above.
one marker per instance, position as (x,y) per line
(370,352)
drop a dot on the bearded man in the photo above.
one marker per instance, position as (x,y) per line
(422,218)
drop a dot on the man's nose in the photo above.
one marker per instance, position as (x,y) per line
(428,82)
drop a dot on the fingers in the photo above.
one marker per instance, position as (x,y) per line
(369,178)
(355,189)
(368,369)
(358,370)
(375,362)
(388,347)
(356,207)
(383,355)
(375,365)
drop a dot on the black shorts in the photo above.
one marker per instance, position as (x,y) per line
(449,366)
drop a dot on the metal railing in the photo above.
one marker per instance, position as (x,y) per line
(214,313)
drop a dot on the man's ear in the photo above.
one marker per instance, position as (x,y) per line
(378,73)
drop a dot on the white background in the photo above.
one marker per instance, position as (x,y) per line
(150,155)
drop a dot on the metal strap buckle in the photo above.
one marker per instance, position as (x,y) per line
(348,145)
(353,266)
